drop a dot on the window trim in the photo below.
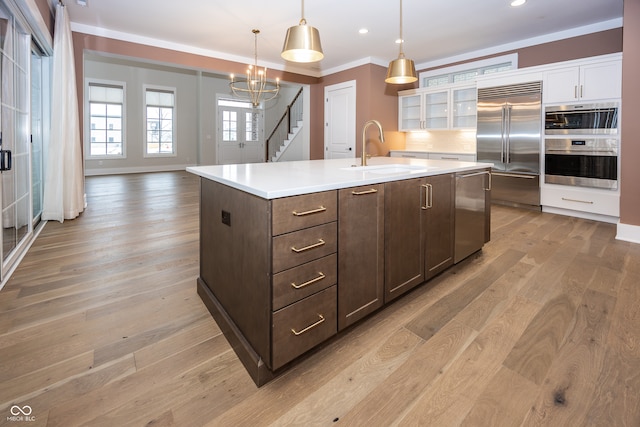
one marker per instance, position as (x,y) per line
(174,141)
(87,119)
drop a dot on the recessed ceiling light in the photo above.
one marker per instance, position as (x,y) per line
(363,31)
(515,3)
(82,2)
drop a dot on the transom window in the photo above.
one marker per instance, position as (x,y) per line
(467,71)
(160,119)
(106,112)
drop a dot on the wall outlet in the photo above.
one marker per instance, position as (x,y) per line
(226,218)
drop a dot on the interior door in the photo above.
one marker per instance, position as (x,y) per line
(340,121)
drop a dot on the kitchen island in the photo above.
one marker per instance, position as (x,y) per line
(292,253)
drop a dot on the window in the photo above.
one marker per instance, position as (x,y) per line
(106,116)
(468,71)
(160,119)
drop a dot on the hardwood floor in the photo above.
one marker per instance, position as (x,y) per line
(101,325)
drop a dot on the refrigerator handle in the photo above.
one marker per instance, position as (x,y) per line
(508,134)
(502,134)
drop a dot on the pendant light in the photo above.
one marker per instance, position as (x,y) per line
(401,70)
(302,43)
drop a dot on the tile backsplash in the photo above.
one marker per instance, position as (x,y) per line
(444,141)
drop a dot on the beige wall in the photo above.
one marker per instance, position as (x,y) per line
(630,156)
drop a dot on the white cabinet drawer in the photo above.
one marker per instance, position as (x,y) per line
(602,202)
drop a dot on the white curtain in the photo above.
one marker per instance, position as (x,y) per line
(64,176)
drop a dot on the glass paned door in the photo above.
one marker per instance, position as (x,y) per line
(15,159)
(239,135)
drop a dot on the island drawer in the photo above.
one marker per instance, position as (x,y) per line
(298,212)
(303,325)
(299,247)
(299,282)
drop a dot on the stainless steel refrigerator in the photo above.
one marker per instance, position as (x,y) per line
(509,136)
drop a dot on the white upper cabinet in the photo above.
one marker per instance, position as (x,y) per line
(588,82)
(464,102)
(443,108)
(410,112)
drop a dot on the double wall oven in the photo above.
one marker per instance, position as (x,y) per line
(582,145)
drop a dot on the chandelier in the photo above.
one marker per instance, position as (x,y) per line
(256,88)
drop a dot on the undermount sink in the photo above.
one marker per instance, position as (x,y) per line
(389,169)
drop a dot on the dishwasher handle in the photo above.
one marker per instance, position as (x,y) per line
(469,175)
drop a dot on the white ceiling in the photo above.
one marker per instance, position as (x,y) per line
(435,31)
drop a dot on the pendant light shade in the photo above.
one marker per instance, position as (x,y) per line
(401,70)
(302,43)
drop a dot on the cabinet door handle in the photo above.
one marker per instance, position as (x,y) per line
(306,248)
(312,211)
(311,326)
(428,196)
(309,282)
(575,91)
(578,201)
(362,193)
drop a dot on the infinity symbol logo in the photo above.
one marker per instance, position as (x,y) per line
(25,410)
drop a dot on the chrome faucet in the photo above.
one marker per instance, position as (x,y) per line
(364,139)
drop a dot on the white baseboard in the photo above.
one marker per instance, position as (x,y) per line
(628,233)
(134,169)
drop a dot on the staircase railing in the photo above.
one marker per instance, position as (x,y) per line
(280,133)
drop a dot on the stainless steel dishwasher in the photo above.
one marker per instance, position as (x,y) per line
(472,214)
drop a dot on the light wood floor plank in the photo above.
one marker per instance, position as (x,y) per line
(453,394)
(567,391)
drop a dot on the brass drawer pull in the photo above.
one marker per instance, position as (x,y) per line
(309,282)
(312,211)
(313,325)
(578,201)
(362,193)
(306,248)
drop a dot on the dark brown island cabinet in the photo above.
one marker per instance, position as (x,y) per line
(281,276)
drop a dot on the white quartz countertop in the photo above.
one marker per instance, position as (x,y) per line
(283,179)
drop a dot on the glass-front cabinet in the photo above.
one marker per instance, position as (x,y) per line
(453,107)
(410,112)
(436,110)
